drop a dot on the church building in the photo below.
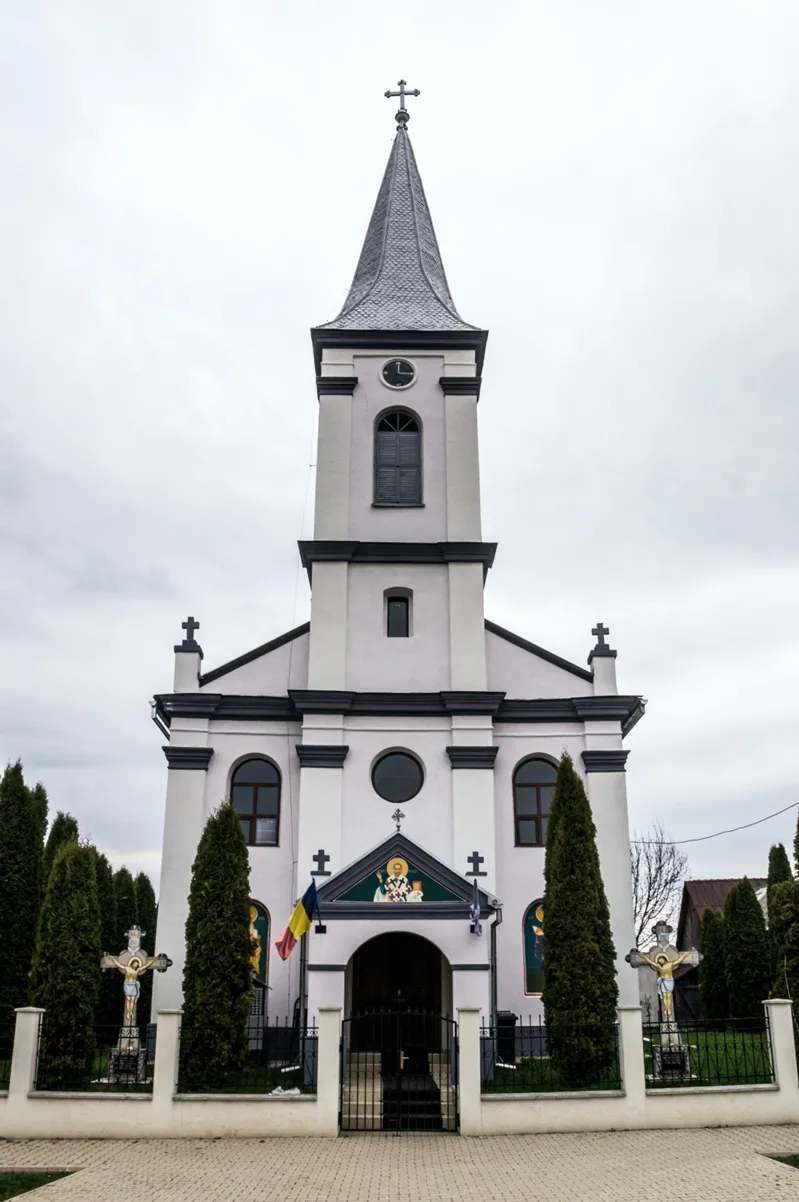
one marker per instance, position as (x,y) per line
(400,748)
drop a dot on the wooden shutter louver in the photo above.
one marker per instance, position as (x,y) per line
(398,460)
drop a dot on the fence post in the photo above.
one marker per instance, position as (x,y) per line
(328,1070)
(167,1054)
(471,1101)
(25,1052)
(631,1058)
(779,1012)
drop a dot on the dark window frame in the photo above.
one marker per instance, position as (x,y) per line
(405,493)
(398,751)
(253,815)
(404,622)
(537,814)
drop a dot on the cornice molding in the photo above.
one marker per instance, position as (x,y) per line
(188,759)
(321,755)
(393,340)
(625,709)
(461,385)
(605,761)
(472,757)
(335,385)
(335,551)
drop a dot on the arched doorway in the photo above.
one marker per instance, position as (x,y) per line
(399,1064)
(399,969)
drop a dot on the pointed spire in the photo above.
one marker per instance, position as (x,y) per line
(400,283)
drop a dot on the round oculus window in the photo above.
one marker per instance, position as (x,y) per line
(397,777)
(398,373)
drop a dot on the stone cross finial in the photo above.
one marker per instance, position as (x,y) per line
(402,116)
(600,631)
(189,642)
(475,859)
(320,859)
(398,816)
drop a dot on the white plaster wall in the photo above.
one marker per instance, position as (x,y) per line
(518,673)
(425,398)
(467,626)
(327,657)
(272,869)
(332,505)
(272,674)
(366,817)
(463,470)
(374,661)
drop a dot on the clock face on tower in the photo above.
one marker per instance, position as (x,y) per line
(399,373)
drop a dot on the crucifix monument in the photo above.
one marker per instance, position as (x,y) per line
(128,1060)
(670,1058)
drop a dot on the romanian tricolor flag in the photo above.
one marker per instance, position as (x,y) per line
(299,923)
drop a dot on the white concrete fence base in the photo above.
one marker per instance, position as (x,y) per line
(28,1114)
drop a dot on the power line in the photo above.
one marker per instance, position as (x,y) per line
(731,831)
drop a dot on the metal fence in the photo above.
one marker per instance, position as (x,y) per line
(281,1057)
(533,1058)
(6,1048)
(96,1059)
(701,1052)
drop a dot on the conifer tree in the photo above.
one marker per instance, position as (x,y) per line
(42,805)
(779,870)
(63,830)
(109,1006)
(145,901)
(127,912)
(712,974)
(746,953)
(20,885)
(796,848)
(217,978)
(580,990)
(66,967)
(783,902)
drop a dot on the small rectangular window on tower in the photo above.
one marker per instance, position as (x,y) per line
(397,617)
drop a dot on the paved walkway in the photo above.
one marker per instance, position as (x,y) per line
(722,1165)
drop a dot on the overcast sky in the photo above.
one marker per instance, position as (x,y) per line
(615,187)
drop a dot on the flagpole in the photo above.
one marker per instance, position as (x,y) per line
(303,1000)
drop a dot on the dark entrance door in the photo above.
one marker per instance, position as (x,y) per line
(393,968)
(399,1054)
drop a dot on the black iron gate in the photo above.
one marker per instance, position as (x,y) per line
(399,1071)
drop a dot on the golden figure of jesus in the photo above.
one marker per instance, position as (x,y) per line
(132,963)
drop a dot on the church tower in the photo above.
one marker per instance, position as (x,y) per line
(398,748)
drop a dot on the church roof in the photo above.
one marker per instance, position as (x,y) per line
(400,282)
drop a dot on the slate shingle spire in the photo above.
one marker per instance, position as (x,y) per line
(400,282)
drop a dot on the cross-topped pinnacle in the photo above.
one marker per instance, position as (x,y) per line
(189,642)
(600,631)
(398,816)
(475,859)
(402,116)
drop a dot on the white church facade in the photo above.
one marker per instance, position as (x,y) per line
(399,746)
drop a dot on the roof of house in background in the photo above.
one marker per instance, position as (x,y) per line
(701,894)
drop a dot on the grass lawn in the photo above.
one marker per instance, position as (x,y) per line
(718,1058)
(536,1074)
(13,1184)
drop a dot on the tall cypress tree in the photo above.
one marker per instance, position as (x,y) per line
(779,871)
(109,1005)
(42,806)
(796,848)
(20,888)
(217,979)
(712,975)
(580,990)
(145,901)
(746,953)
(63,830)
(127,912)
(783,903)
(66,967)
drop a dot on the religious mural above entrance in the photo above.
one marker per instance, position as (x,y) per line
(399,883)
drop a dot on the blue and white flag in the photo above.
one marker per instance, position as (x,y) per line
(474,913)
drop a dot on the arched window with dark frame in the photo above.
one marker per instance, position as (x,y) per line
(398,459)
(255,793)
(533,790)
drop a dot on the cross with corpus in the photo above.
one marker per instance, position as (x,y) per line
(320,859)
(600,631)
(475,859)
(402,116)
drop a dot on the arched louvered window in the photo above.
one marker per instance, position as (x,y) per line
(398,459)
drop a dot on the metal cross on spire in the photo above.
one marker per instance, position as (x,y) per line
(402,115)
(398,816)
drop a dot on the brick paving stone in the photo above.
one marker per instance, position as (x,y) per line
(719,1165)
